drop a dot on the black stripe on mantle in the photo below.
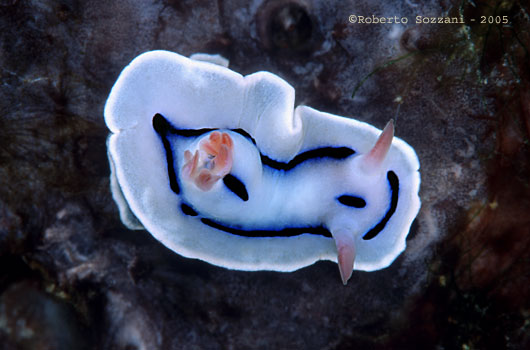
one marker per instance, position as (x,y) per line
(393,182)
(162,127)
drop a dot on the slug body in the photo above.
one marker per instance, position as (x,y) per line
(223,168)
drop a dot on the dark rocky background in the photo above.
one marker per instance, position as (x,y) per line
(72,277)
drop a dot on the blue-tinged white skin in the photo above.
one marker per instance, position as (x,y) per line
(293,164)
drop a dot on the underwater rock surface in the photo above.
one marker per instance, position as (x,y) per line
(458,94)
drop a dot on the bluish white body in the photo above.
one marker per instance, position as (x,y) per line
(194,95)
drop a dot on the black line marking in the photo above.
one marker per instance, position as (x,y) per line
(187,210)
(285,232)
(323,152)
(191,132)
(236,186)
(162,127)
(319,230)
(394,189)
(352,201)
(244,134)
(165,125)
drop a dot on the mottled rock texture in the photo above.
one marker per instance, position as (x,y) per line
(72,277)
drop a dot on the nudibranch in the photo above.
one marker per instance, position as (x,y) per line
(221,167)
